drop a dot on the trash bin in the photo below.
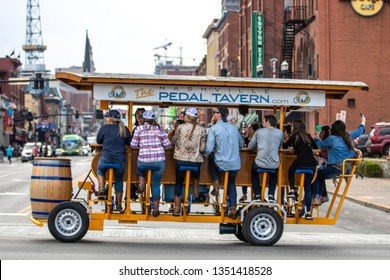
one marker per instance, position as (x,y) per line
(1,156)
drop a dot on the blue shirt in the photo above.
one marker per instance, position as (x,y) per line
(9,151)
(113,145)
(337,149)
(225,141)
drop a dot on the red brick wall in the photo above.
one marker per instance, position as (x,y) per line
(273,12)
(229,43)
(352,47)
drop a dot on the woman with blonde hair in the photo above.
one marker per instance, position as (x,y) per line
(113,135)
(189,141)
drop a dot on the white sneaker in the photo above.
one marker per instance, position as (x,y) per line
(271,199)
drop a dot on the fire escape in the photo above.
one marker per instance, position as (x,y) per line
(295,20)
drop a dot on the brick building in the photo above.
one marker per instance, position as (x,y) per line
(12,103)
(327,40)
(228,51)
(341,43)
(268,40)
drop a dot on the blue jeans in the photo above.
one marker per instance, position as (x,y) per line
(181,174)
(232,192)
(118,173)
(273,179)
(157,168)
(319,185)
(306,185)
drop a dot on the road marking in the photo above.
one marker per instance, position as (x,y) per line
(13,214)
(8,174)
(20,180)
(11,193)
(80,178)
(25,211)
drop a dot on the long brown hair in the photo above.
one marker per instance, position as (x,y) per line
(152,122)
(339,129)
(299,132)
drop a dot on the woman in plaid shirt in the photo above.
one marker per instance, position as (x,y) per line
(151,140)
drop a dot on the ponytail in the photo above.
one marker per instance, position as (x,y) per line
(192,120)
(122,129)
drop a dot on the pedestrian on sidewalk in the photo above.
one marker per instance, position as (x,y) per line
(9,152)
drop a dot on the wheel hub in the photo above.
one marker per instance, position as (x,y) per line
(263,227)
(68,222)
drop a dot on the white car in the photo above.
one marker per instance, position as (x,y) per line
(27,151)
(86,149)
(58,152)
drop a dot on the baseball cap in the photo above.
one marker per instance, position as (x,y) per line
(193,112)
(148,114)
(113,114)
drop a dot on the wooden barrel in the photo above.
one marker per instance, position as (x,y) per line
(51,184)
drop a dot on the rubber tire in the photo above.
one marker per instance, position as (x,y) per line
(262,226)
(239,234)
(386,150)
(75,215)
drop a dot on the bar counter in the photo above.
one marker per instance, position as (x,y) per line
(243,176)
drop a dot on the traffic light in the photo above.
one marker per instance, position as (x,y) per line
(123,114)
(77,114)
(36,84)
(39,82)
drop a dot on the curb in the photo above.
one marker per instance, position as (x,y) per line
(366,203)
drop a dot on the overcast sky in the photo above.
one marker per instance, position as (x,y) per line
(123,33)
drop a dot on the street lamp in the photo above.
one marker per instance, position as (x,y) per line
(284,69)
(259,70)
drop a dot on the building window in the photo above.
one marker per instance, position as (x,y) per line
(351,103)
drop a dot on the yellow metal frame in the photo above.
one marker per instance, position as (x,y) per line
(333,90)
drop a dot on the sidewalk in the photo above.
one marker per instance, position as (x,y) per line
(370,192)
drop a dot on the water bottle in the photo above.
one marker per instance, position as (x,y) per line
(243,129)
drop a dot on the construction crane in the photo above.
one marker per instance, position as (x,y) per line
(159,56)
(165,46)
(180,57)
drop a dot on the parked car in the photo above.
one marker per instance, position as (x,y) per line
(361,143)
(379,139)
(58,152)
(86,150)
(27,151)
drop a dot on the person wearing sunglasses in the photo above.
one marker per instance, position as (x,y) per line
(224,141)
